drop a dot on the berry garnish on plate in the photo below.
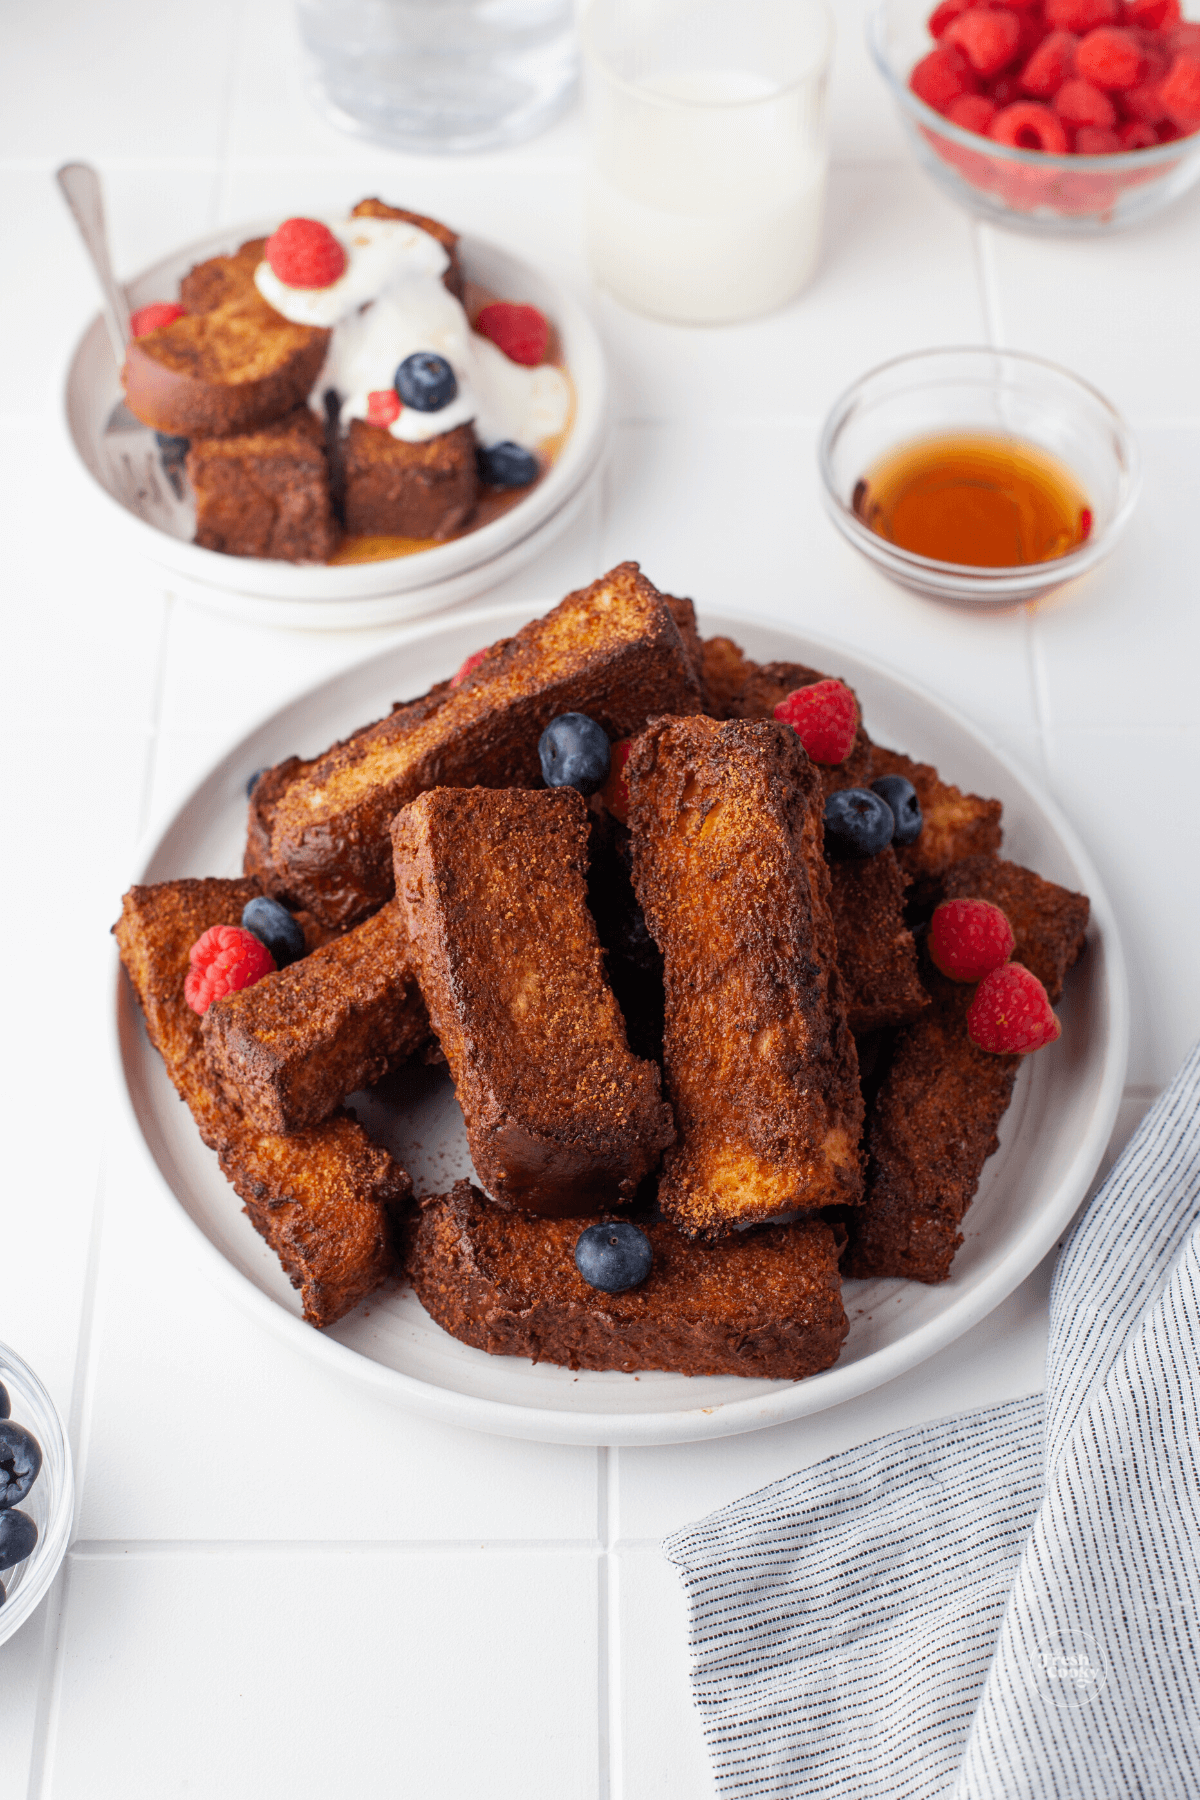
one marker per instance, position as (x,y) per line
(614,1257)
(522,332)
(506,465)
(574,752)
(473,661)
(273,925)
(223,960)
(969,938)
(858,822)
(20,1460)
(383,405)
(426,382)
(824,718)
(1011,1013)
(901,796)
(303,253)
(150,318)
(18,1538)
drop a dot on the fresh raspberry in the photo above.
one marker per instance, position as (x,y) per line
(1011,1012)
(1181,92)
(1152,15)
(973,112)
(225,959)
(520,331)
(1095,140)
(824,717)
(1004,91)
(473,661)
(1144,103)
(615,792)
(987,38)
(1080,15)
(1110,58)
(1185,36)
(1135,134)
(149,318)
(383,405)
(1029,126)
(1079,103)
(942,76)
(1049,65)
(305,254)
(941,15)
(968,938)
(1034,31)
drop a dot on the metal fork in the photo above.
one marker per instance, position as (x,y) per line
(136,459)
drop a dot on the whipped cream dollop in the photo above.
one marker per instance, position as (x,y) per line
(389,302)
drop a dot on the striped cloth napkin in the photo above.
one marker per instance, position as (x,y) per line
(1001,1605)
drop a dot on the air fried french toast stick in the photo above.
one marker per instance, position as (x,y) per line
(323,1198)
(759,1060)
(765,1303)
(955,824)
(934,1121)
(561,1118)
(612,650)
(291,1047)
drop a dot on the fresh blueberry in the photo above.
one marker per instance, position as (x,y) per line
(901,796)
(507,466)
(5,1403)
(614,1257)
(574,753)
(858,822)
(253,782)
(425,382)
(172,449)
(274,926)
(20,1460)
(18,1535)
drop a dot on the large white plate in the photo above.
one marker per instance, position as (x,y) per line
(351,595)
(1051,1139)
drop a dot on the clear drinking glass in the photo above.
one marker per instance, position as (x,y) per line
(708,154)
(450,75)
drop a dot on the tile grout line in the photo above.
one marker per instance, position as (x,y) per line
(156,710)
(603,1626)
(127,1549)
(612,1517)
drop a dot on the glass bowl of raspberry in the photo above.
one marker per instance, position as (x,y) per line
(49,1502)
(899,483)
(1048,116)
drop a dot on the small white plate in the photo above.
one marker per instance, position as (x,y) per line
(350,595)
(1051,1139)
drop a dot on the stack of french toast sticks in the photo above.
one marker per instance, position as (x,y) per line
(669,1002)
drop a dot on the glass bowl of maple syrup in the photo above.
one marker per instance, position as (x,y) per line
(976,475)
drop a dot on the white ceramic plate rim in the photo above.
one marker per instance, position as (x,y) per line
(844,1381)
(318,587)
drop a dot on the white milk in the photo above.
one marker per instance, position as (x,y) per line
(706,193)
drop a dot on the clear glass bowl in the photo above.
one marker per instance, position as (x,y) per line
(1029,190)
(50,1502)
(1004,394)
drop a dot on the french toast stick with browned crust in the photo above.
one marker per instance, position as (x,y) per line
(934,1121)
(325,1197)
(1049,922)
(290,1048)
(875,949)
(955,824)
(612,650)
(724,670)
(561,1118)
(763,1303)
(760,1064)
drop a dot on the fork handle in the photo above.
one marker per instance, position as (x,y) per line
(81,188)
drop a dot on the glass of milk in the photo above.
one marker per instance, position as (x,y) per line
(708,152)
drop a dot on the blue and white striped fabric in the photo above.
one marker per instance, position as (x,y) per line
(1000,1606)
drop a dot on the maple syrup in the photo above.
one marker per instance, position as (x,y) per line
(988,502)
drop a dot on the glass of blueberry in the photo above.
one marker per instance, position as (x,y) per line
(37,1493)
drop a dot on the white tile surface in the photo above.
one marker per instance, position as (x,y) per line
(320,1672)
(659,1749)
